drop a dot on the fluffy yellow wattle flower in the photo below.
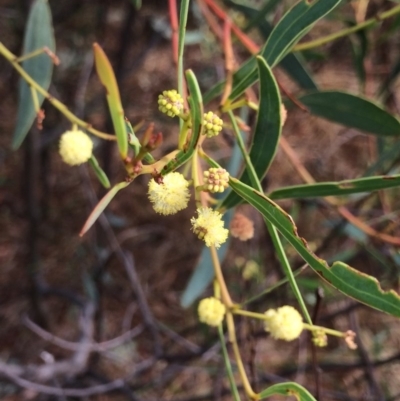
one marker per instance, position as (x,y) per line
(75,147)
(211,311)
(171,195)
(284,323)
(209,227)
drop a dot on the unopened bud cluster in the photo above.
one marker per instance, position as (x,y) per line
(215,180)
(212,124)
(170,102)
(320,339)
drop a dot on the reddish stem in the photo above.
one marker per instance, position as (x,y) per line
(246,41)
(173,15)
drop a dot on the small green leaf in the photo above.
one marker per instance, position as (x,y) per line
(99,209)
(349,281)
(347,187)
(100,174)
(267,131)
(107,78)
(196,107)
(288,389)
(352,111)
(38,34)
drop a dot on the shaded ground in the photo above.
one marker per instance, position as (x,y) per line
(127,274)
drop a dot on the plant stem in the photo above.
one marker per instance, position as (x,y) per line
(232,338)
(228,365)
(311,327)
(347,31)
(220,278)
(56,103)
(271,228)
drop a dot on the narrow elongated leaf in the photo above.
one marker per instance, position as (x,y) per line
(196,107)
(337,188)
(288,389)
(267,131)
(291,63)
(290,29)
(357,285)
(293,26)
(99,209)
(359,46)
(352,111)
(38,34)
(196,112)
(107,78)
(100,174)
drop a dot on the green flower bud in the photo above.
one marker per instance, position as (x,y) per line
(212,124)
(170,103)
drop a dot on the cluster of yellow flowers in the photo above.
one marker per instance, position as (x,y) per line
(75,147)
(170,195)
(284,323)
(209,227)
(211,311)
(170,102)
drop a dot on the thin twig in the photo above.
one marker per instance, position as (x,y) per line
(8,371)
(74,346)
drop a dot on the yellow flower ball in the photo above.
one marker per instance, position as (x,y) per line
(211,311)
(212,124)
(284,323)
(209,227)
(170,195)
(75,147)
(170,102)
